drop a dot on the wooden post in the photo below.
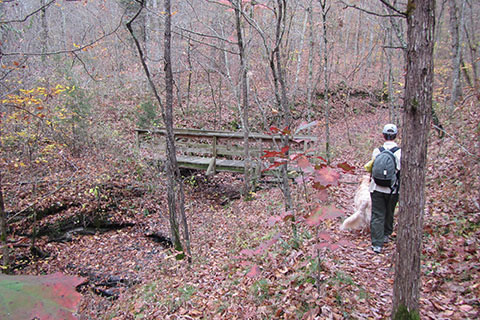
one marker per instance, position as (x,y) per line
(214,154)
(213,162)
(259,162)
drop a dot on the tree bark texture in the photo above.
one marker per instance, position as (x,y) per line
(472,26)
(325,9)
(152,34)
(3,233)
(175,192)
(299,55)
(416,120)
(44,38)
(311,47)
(281,92)
(389,54)
(244,89)
(456,21)
(168,118)
(167,114)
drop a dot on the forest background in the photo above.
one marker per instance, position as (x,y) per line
(74,90)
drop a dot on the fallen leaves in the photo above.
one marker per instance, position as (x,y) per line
(254,271)
(243,245)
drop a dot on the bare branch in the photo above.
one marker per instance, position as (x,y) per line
(397,28)
(142,56)
(354,6)
(208,36)
(221,3)
(20,64)
(391,7)
(85,67)
(77,49)
(30,14)
(25,110)
(393,47)
(465,149)
(206,43)
(259,30)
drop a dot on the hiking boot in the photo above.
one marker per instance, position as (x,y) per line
(377,249)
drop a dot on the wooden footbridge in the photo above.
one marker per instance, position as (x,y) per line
(216,151)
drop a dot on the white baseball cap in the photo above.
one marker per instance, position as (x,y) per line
(390,128)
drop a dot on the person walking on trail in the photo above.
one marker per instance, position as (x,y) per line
(384,187)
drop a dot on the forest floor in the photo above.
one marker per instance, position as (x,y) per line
(245,267)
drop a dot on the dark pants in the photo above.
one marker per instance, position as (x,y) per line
(381,225)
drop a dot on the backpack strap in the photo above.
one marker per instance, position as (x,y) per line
(394,149)
(397,184)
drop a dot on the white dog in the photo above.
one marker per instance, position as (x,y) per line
(360,219)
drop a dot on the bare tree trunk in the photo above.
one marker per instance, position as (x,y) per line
(326,106)
(300,54)
(214,100)
(372,44)
(174,185)
(438,25)
(232,84)
(3,233)
(346,34)
(396,27)
(358,32)
(389,54)
(63,26)
(244,92)
(471,32)
(310,83)
(173,174)
(456,14)
(417,119)
(281,92)
(190,72)
(168,118)
(286,113)
(34,223)
(152,26)
(381,76)
(44,37)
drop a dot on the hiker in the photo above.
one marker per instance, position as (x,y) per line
(384,187)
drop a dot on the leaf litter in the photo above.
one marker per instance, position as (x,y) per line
(278,278)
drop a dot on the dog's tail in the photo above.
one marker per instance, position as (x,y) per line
(353,222)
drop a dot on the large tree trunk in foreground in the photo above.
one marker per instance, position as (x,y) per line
(417,118)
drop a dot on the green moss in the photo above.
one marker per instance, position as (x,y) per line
(410,7)
(402,313)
